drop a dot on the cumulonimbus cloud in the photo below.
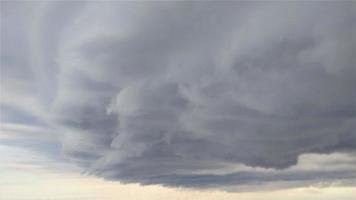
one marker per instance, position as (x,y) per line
(177,93)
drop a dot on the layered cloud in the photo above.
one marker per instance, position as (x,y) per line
(191,94)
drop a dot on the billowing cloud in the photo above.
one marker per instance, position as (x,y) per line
(191,94)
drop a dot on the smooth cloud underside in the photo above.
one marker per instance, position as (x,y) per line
(180,93)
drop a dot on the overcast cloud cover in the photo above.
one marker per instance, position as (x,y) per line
(188,94)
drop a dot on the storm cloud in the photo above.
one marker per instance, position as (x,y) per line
(191,94)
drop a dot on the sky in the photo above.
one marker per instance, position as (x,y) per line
(177,100)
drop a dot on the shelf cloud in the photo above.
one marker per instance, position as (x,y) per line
(189,94)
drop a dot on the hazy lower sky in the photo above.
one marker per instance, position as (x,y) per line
(178,100)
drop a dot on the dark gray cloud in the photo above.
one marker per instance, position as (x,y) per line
(187,93)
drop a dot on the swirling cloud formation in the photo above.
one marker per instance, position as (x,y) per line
(191,94)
